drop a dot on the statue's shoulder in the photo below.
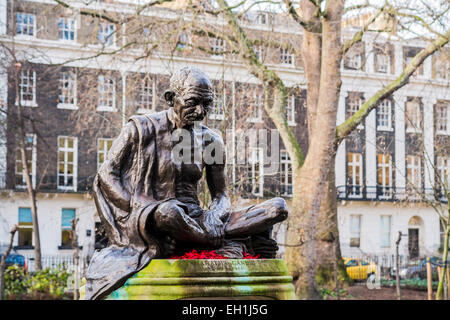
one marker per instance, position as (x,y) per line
(211,135)
(149,120)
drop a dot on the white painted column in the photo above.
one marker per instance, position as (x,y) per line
(3,122)
(369,56)
(341,154)
(124,97)
(3,16)
(371,153)
(427,68)
(428,140)
(400,157)
(398,57)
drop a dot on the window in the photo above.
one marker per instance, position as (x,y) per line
(67,163)
(25,24)
(441,66)
(384,173)
(354,102)
(385,227)
(67,215)
(443,168)
(355,230)
(183,41)
(106,94)
(256,171)
(262,18)
(106,34)
(217,46)
(413,116)
(413,173)
(353,60)
(256,108)
(382,65)
(30,154)
(27,88)
(384,113)
(259,52)
(218,112)
(67,91)
(145,98)
(66,29)
(286,173)
(290,110)
(419,70)
(103,147)
(354,174)
(443,118)
(286,57)
(25,227)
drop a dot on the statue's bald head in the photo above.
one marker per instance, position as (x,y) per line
(189,77)
(190,94)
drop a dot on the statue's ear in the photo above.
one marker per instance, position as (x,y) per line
(168,95)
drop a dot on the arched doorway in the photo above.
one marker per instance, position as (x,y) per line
(415,227)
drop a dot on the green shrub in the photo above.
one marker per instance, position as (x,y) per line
(45,282)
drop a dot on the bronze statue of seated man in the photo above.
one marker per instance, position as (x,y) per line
(147,199)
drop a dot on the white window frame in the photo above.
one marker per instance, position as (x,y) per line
(443,118)
(27,226)
(65,174)
(352,108)
(290,111)
(103,151)
(262,18)
(383,109)
(21,35)
(102,82)
(69,25)
(71,79)
(354,61)
(414,166)
(385,235)
(356,167)
(443,166)
(355,229)
(383,63)
(183,41)
(257,159)
(411,124)
(259,52)
(104,38)
(258,103)
(286,171)
(386,188)
(32,80)
(286,56)
(218,46)
(32,160)
(218,112)
(142,92)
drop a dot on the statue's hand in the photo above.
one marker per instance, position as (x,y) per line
(214,228)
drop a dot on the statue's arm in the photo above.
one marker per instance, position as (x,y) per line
(109,174)
(216,179)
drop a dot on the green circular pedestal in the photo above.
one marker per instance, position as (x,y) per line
(209,279)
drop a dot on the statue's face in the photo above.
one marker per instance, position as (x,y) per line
(193,101)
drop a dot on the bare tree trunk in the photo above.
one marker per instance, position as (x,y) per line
(76,259)
(30,190)
(312,182)
(397,277)
(444,259)
(3,262)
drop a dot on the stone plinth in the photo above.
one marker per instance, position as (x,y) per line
(209,279)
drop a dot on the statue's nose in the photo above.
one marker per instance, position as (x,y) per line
(198,109)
